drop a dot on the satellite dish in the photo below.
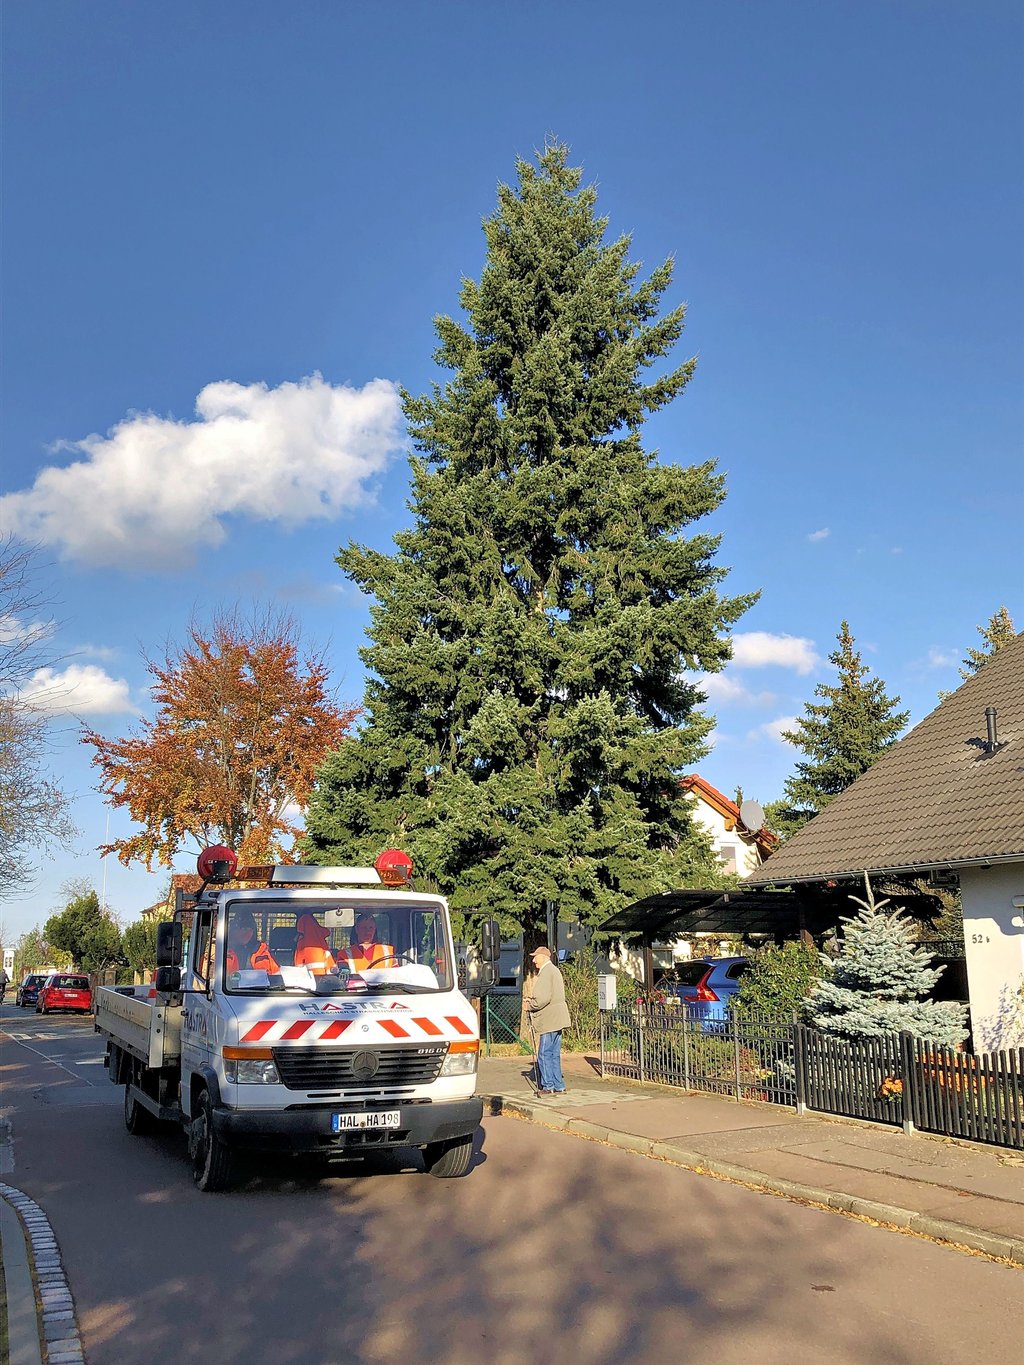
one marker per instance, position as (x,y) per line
(752,816)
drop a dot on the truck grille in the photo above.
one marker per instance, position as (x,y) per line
(357,1068)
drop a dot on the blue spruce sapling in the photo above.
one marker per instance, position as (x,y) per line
(879,980)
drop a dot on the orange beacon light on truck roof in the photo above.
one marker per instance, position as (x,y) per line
(216,863)
(393,867)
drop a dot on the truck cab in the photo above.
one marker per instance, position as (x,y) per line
(317,1013)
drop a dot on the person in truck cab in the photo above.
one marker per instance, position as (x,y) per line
(313,946)
(366,949)
(244,946)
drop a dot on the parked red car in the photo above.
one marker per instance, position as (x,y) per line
(63,991)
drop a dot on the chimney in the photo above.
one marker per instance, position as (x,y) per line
(992,743)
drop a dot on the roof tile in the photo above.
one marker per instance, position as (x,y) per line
(935,798)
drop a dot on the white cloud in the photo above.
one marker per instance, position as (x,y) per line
(720,687)
(774,728)
(756,648)
(81,689)
(725,688)
(941,658)
(823,534)
(312,590)
(94,651)
(14,631)
(153,490)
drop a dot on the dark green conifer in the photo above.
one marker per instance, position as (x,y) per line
(842,735)
(528,713)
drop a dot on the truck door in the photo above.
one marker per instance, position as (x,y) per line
(195,1017)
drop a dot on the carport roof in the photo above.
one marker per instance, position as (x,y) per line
(675,914)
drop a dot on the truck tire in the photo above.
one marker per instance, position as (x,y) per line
(137,1119)
(447,1160)
(211,1158)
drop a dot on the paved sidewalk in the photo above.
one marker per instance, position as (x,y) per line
(954,1191)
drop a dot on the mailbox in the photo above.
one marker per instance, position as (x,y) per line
(606,992)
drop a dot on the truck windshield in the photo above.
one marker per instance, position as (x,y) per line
(319,949)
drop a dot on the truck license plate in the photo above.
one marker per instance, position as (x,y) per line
(367,1118)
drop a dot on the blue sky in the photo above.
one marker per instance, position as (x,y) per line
(260,208)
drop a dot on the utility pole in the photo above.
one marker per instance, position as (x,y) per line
(552,918)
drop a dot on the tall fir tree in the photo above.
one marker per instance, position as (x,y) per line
(528,713)
(999,632)
(842,736)
(879,981)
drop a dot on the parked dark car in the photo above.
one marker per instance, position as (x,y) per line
(28,991)
(706,986)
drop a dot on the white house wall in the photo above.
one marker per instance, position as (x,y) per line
(737,855)
(994,941)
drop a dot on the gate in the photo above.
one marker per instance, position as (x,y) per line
(861,1079)
(500,1015)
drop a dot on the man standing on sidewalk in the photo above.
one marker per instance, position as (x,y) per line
(549,1015)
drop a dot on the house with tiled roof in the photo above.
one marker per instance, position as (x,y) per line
(946,802)
(189,882)
(738,848)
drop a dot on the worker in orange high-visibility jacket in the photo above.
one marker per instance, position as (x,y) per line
(313,947)
(366,950)
(245,949)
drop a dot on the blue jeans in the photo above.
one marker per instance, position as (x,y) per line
(549,1061)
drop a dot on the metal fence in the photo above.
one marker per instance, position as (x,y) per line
(861,1079)
(500,1015)
(977,1097)
(675,1044)
(895,1079)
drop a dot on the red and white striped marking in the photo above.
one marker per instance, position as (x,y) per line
(321,1031)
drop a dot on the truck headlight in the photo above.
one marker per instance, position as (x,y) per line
(461,1059)
(250,1066)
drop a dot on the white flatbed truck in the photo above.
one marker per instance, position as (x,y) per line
(254,1040)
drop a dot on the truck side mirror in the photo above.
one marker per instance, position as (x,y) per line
(167,979)
(490,940)
(168,943)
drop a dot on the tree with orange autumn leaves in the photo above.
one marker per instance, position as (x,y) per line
(242,723)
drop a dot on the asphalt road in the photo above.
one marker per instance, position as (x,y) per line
(552,1249)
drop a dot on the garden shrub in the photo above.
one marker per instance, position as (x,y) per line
(779,980)
(579,976)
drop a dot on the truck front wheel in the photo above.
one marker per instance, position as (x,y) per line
(449,1159)
(137,1119)
(211,1158)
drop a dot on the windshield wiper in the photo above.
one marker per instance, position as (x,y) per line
(270,988)
(388,987)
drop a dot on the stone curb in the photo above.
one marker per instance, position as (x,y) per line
(57,1321)
(938,1229)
